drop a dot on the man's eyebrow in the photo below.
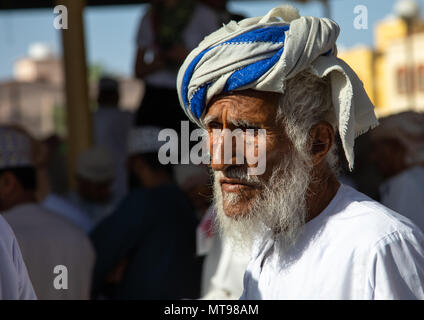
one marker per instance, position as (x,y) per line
(208,119)
(241,123)
(235,122)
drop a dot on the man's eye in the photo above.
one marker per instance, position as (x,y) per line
(248,127)
(214,125)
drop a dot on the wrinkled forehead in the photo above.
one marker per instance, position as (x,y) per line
(242,105)
(270,97)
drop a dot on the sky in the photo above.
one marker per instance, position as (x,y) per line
(110,31)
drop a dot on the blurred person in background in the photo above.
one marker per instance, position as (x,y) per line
(15,283)
(146,248)
(223,265)
(365,177)
(111,126)
(196,183)
(46,239)
(222,12)
(398,153)
(95,174)
(167,32)
(14,280)
(56,164)
(51,179)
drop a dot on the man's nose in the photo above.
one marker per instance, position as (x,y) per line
(222,148)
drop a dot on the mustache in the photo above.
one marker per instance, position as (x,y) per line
(239,173)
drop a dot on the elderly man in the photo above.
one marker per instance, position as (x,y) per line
(311,237)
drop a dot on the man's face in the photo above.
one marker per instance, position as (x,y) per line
(244,110)
(96,192)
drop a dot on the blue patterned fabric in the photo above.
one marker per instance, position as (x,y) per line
(240,77)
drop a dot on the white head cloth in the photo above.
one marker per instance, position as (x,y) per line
(15,148)
(261,53)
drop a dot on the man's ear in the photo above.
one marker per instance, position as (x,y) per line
(321,140)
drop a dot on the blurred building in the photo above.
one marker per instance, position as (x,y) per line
(35,97)
(392,71)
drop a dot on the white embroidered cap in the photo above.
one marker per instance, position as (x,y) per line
(15,148)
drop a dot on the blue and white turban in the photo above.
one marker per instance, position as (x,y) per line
(261,53)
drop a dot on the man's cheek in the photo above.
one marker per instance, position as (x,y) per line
(256,157)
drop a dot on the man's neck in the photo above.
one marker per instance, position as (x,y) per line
(27,198)
(321,191)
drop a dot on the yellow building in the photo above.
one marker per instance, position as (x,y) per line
(392,71)
(361,60)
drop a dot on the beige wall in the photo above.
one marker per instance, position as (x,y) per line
(397,57)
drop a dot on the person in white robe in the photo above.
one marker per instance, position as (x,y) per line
(94,196)
(398,152)
(277,80)
(58,255)
(224,265)
(111,126)
(14,280)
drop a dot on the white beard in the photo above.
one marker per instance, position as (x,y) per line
(280,206)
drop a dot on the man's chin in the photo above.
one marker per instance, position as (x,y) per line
(236,209)
(233,213)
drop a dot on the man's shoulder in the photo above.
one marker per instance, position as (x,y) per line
(36,220)
(367,222)
(6,234)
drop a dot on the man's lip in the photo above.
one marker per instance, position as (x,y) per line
(232,183)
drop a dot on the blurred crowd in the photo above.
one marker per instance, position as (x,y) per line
(132,228)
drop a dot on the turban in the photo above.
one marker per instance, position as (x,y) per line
(261,53)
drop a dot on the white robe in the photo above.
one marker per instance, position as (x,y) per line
(226,283)
(355,249)
(60,205)
(224,265)
(48,240)
(14,281)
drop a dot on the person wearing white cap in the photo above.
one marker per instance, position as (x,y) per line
(146,247)
(95,174)
(47,240)
(311,237)
(15,283)
(14,280)
(398,151)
